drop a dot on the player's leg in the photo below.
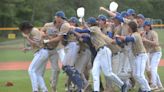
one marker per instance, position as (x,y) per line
(116,63)
(131,59)
(33,69)
(32,74)
(96,73)
(54,57)
(41,67)
(154,68)
(115,69)
(140,63)
(148,72)
(71,52)
(82,61)
(105,59)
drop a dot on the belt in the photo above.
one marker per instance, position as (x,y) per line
(49,48)
(139,53)
(113,54)
(101,47)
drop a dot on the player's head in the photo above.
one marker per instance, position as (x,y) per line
(59,16)
(91,21)
(102,19)
(140,19)
(25,27)
(124,14)
(147,25)
(115,20)
(73,21)
(131,13)
(132,27)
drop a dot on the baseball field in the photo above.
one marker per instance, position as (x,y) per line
(14,64)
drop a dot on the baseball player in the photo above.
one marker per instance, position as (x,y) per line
(107,30)
(150,38)
(34,37)
(84,54)
(130,16)
(140,55)
(127,55)
(103,55)
(71,46)
(140,21)
(51,31)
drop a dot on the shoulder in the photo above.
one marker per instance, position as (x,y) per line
(35,31)
(136,35)
(48,24)
(154,33)
(65,24)
(94,28)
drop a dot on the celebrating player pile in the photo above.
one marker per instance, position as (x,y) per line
(122,46)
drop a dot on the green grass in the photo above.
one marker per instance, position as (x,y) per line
(15,55)
(161,40)
(22,82)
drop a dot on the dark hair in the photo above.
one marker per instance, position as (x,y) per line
(133,26)
(25,25)
(150,27)
(94,24)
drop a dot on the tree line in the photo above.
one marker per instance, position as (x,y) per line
(12,12)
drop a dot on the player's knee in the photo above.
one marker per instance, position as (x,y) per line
(31,70)
(138,76)
(109,74)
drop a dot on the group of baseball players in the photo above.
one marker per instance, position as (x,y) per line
(123,47)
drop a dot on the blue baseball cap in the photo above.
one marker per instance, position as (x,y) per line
(91,20)
(102,17)
(60,14)
(147,23)
(74,20)
(118,14)
(130,11)
(141,16)
(124,14)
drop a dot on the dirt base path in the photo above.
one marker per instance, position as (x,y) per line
(22,65)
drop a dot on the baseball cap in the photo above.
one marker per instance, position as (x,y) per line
(124,14)
(147,23)
(141,16)
(130,11)
(102,17)
(60,14)
(74,20)
(91,20)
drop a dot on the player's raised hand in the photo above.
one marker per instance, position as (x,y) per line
(102,8)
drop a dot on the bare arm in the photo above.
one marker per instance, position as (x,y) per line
(107,11)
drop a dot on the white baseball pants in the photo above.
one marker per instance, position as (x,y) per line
(71,53)
(82,61)
(35,70)
(139,69)
(102,62)
(154,61)
(54,57)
